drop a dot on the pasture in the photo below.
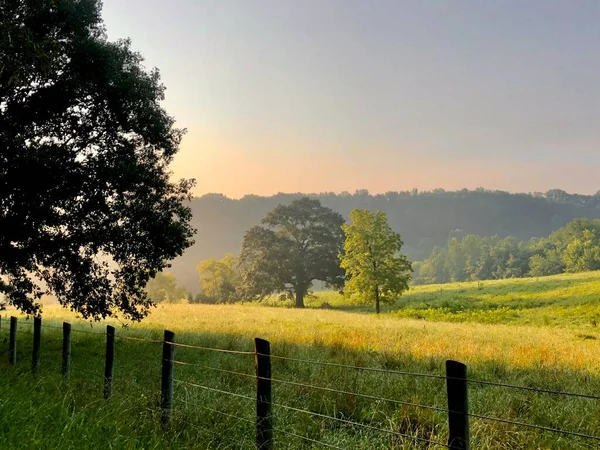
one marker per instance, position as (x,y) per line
(534,333)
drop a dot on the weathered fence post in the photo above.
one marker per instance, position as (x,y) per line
(264,417)
(166,385)
(37,337)
(12,354)
(109,366)
(66,349)
(458,405)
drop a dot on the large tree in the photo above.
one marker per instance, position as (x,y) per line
(88,211)
(297,244)
(376,270)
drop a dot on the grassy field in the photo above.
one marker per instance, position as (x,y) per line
(540,333)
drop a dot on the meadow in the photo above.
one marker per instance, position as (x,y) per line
(529,332)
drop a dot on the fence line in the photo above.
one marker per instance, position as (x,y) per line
(456,384)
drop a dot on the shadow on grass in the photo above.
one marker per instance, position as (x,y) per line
(137,376)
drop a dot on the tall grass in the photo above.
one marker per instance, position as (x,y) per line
(46,411)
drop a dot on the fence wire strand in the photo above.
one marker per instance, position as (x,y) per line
(362,425)
(133,338)
(527,388)
(216,369)
(214,389)
(371,397)
(430,375)
(212,349)
(367,369)
(537,427)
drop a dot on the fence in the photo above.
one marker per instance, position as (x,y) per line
(456,386)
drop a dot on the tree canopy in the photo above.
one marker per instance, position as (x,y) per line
(425,219)
(87,208)
(164,288)
(572,248)
(376,270)
(296,245)
(219,279)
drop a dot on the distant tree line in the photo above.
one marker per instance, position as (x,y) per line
(572,248)
(304,242)
(423,218)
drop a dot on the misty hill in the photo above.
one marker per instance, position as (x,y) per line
(424,219)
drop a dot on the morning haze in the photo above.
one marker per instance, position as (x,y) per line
(393,242)
(313,96)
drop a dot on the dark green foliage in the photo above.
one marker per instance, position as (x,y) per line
(573,248)
(424,219)
(87,210)
(297,244)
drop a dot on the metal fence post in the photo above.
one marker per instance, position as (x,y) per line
(166,391)
(458,405)
(12,354)
(66,349)
(109,366)
(37,337)
(264,417)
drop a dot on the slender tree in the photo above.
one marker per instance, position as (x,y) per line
(219,279)
(88,210)
(296,245)
(376,270)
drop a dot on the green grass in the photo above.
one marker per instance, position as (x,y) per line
(498,329)
(571,300)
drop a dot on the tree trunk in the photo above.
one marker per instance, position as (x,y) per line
(377,299)
(299,298)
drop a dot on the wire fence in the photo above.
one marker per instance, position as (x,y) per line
(456,381)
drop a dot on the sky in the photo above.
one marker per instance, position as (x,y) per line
(339,95)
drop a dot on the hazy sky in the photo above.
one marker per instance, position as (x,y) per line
(332,95)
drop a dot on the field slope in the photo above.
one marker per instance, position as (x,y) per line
(540,333)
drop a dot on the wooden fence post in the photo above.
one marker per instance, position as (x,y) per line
(12,354)
(66,349)
(166,384)
(458,405)
(109,366)
(264,417)
(37,338)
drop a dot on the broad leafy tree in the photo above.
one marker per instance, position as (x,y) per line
(296,245)
(88,210)
(163,288)
(376,270)
(219,279)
